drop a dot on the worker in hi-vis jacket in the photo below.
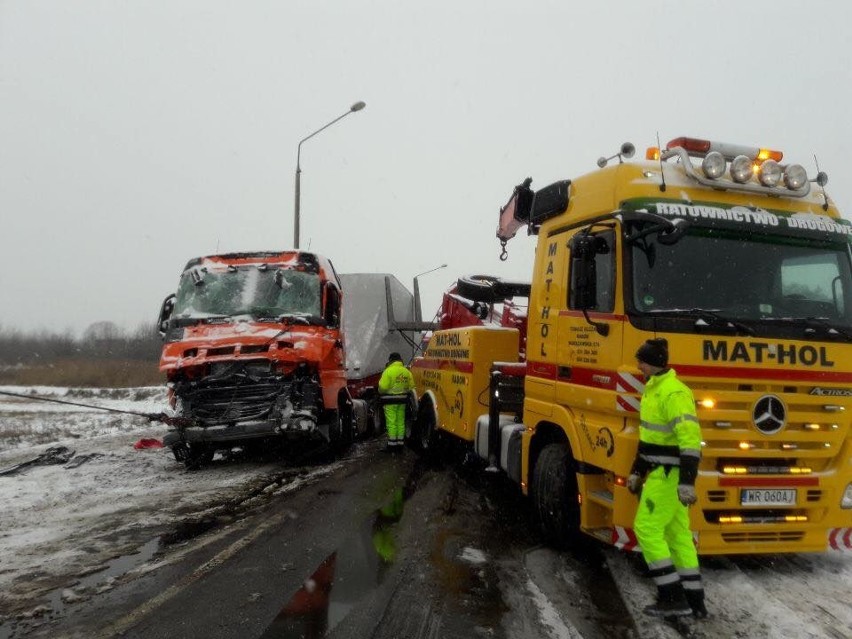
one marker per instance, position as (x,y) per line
(663,475)
(397,381)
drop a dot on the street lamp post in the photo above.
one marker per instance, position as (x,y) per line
(355,107)
(418,314)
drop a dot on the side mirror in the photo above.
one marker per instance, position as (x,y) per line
(584,276)
(165,313)
(584,291)
(331,314)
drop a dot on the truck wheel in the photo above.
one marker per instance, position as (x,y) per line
(425,435)
(199,455)
(554,496)
(347,427)
(342,433)
(180,451)
(377,418)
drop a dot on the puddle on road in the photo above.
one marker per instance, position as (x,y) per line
(357,568)
(344,578)
(467,575)
(56,602)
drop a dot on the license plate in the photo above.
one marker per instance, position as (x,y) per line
(768,497)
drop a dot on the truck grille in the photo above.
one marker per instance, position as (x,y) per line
(227,402)
(763,537)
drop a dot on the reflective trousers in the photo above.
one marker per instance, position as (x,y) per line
(395,420)
(662,522)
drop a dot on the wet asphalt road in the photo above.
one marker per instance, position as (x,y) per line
(385,546)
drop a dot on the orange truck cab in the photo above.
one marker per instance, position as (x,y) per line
(255,355)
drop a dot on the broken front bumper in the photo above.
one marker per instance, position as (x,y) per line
(295,427)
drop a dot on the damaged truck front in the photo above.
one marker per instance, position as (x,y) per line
(254,357)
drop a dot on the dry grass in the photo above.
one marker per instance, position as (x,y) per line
(85,373)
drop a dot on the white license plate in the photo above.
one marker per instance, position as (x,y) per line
(768,497)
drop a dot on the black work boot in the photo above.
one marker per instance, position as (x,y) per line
(695,599)
(671,602)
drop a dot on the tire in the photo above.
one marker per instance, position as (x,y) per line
(343,430)
(554,496)
(425,435)
(377,418)
(490,289)
(411,412)
(181,451)
(200,454)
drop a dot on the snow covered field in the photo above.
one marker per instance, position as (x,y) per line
(60,522)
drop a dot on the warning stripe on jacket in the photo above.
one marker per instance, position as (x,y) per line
(627,386)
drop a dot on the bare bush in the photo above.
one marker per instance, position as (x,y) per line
(105,356)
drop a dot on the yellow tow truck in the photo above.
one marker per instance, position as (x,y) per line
(742,262)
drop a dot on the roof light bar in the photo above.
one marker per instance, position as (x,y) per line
(734,166)
(699,148)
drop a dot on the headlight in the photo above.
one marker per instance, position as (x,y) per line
(770,173)
(741,169)
(175,334)
(714,165)
(795,177)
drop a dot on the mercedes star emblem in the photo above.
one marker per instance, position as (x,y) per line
(769,414)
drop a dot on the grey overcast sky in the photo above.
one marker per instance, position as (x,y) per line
(136,134)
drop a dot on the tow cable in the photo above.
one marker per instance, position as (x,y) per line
(152,417)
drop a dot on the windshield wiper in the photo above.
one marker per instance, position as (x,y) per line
(812,323)
(205,319)
(704,312)
(708,317)
(294,318)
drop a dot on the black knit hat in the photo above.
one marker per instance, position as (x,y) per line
(394,357)
(654,352)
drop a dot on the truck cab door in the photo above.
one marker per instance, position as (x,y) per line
(590,326)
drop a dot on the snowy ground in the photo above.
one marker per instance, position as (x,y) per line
(59,522)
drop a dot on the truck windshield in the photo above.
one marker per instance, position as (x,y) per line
(722,275)
(261,292)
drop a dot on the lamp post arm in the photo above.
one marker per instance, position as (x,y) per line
(305,139)
(355,107)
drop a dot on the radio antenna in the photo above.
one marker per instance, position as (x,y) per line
(662,173)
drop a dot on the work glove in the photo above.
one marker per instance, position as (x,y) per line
(634,483)
(686,494)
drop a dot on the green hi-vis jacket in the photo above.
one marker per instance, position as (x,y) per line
(396,380)
(669,432)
